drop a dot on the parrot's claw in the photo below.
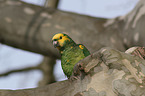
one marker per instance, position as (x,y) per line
(80,67)
(73,78)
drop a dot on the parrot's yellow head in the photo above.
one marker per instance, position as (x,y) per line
(60,40)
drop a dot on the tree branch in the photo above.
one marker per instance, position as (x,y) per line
(47,68)
(51,3)
(33,29)
(108,72)
(131,26)
(19,70)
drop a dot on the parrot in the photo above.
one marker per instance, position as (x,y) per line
(71,53)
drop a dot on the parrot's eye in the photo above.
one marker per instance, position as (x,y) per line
(55,40)
(60,37)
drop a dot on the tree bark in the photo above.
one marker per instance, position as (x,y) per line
(51,3)
(108,72)
(31,28)
(131,26)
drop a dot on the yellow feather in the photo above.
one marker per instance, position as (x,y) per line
(81,46)
(61,41)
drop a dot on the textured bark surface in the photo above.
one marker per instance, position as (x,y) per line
(108,73)
(31,28)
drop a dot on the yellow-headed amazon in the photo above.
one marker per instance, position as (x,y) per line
(70,52)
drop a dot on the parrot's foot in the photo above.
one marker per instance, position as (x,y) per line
(80,66)
(77,69)
(73,78)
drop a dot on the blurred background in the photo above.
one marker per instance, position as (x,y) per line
(13,60)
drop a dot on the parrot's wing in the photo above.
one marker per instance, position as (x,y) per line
(85,50)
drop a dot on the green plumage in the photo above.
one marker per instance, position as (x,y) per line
(70,57)
(71,53)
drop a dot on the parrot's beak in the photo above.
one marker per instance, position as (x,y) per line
(55,44)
